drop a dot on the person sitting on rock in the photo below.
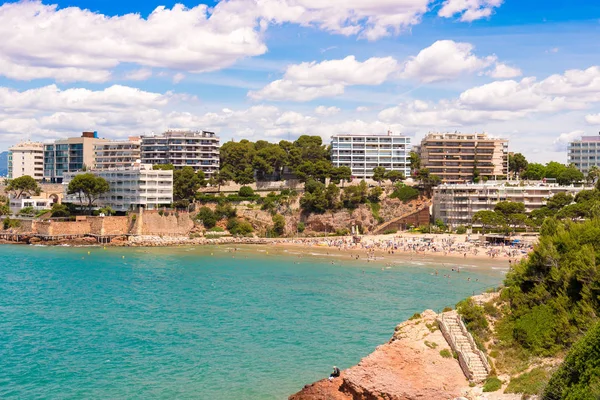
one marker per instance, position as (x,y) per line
(335,373)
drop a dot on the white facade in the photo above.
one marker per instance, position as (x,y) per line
(117,154)
(456,204)
(196,149)
(362,153)
(585,153)
(26,158)
(130,188)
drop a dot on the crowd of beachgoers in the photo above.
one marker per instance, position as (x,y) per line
(463,246)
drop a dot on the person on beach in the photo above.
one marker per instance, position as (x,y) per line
(335,373)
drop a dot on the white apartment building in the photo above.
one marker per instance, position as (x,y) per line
(585,153)
(196,149)
(26,158)
(456,204)
(117,154)
(69,155)
(130,188)
(362,153)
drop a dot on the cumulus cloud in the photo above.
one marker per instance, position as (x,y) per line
(311,80)
(327,111)
(562,142)
(593,119)
(444,60)
(71,44)
(504,100)
(503,71)
(178,77)
(469,10)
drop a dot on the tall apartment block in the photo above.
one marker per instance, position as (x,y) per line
(196,149)
(362,153)
(456,204)
(454,157)
(137,186)
(26,158)
(585,153)
(69,155)
(117,154)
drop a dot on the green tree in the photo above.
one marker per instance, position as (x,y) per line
(534,171)
(569,175)
(517,163)
(246,191)
(355,195)
(60,211)
(24,185)
(27,212)
(222,176)
(207,217)
(379,174)
(89,187)
(404,193)
(593,174)
(278,224)
(554,169)
(375,194)
(186,183)
(395,176)
(558,201)
(341,174)
(428,181)
(415,161)
(487,219)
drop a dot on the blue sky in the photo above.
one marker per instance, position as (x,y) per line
(274,69)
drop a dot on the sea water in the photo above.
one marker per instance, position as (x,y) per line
(200,323)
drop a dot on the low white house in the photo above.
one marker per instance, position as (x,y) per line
(130,187)
(37,202)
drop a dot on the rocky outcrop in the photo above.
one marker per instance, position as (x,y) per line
(409,367)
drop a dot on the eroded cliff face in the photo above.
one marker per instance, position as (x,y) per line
(409,367)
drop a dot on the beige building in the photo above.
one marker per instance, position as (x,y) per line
(117,154)
(69,155)
(26,158)
(456,204)
(454,157)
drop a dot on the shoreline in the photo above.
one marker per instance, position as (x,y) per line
(452,248)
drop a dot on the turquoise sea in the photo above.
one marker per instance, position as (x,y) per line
(200,323)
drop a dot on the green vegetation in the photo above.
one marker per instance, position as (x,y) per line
(579,375)
(246,191)
(492,384)
(318,198)
(278,224)
(415,316)
(24,185)
(475,320)
(237,227)
(517,163)
(89,187)
(27,212)
(390,232)
(446,353)
(207,217)
(404,193)
(461,230)
(431,345)
(563,174)
(529,383)
(10,223)
(301,227)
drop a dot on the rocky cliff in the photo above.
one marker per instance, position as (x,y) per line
(409,367)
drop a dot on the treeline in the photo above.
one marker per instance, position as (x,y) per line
(563,174)
(508,216)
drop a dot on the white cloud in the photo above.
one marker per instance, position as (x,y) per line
(138,75)
(327,111)
(561,143)
(503,71)
(444,60)
(593,119)
(362,109)
(178,77)
(504,101)
(469,10)
(311,80)
(71,44)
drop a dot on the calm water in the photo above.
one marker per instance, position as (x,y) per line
(197,323)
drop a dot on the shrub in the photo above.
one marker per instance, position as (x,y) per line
(461,230)
(529,383)
(342,232)
(225,210)
(216,229)
(404,193)
(246,191)
(446,353)
(474,317)
(492,384)
(195,235)
(301,227)
(278,224)
(11,223)
(431,345)
(27,212)
(415,316)
(207,217)
(446,309)
(390,231)
(578,377)
(237,227)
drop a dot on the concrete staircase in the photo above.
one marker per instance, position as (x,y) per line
(472,360)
